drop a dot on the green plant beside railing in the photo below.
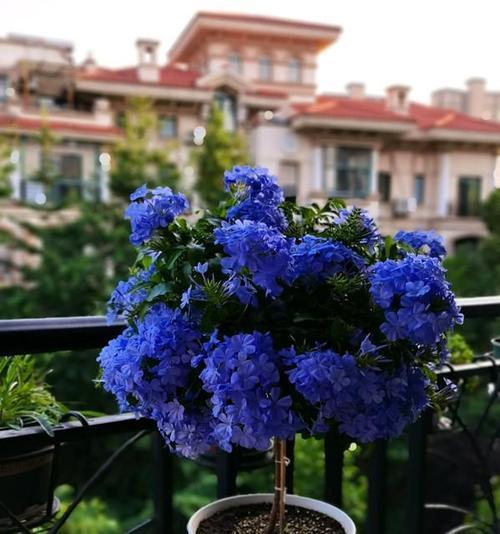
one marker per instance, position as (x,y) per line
(25,398)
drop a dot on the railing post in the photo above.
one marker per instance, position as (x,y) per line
(163,487)
(290,454)
(334,465)
(226,470)
(377,478)
(417,452)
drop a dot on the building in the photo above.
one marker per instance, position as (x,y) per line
(475,100)
(411,165)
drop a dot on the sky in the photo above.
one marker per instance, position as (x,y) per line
(426,44)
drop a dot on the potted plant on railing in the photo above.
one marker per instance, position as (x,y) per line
(262,319)
(25,470)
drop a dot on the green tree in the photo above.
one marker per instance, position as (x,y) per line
(6,167)
(134,159)
(221,150)
(47,172)
(491,212)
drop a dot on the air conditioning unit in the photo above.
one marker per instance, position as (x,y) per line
(402,207)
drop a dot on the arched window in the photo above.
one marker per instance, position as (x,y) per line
(265,68)
(294,70)
(227,103)
(234,60)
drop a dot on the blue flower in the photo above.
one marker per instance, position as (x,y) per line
(241,374)
(148,369)
(423,242)
(366,229)
(151,210)
(257,194)
(128,295)
(367,404)
(418,303)
(255,247)
(316,258)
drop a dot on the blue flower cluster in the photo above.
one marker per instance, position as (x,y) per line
(151,209)
(367,404)
(255,247)
(416,299)
(241,373)
(258,196)
(148,369)
(235,274)
(128,294)
(423,242)
(318,258)
(364,224)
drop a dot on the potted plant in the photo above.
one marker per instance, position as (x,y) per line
(25,471)
(262,319)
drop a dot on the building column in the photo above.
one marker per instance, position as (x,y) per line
(373,188)
(443,185)
(16,175)
(317,181)
(104,162)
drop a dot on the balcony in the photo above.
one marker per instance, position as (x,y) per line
(471,440)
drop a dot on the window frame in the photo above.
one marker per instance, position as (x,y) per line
(463,209)
(294,69)
(265,62)
(174,121)
(419,190)
(234,61)
(384,192)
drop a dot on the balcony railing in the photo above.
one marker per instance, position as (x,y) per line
(35,336)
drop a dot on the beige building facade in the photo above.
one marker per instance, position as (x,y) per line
(475,99)
(411,165)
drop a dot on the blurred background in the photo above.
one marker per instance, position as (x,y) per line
(393,106)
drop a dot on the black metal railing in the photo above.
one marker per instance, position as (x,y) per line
(35,336)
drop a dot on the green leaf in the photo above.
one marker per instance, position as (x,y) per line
(41,420)
(173,259)
(158,290)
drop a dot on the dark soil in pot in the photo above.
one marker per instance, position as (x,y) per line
(254,518)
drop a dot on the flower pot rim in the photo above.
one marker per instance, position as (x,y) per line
(496,340)
(251,498)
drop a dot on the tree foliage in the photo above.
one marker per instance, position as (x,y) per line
(221,150)
(135,159)
(6,167)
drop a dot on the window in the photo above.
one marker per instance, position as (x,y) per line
(265,69)
(469,195)
(69,166)
(69,171)
(384,186)
(121,119)
(419,189)
(294,70)
(289,178)
(167,127)
(346,171)
(3,87)
(227,104)
(234,61)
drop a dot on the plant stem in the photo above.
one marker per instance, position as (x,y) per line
(278,508)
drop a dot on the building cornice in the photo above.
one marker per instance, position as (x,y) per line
(115,88)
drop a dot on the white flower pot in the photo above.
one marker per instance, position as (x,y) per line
(294,500)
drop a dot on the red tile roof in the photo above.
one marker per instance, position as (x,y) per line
(169,76)
(267,20)
(424,117)
(22,123)
(430,117)
(343,107)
